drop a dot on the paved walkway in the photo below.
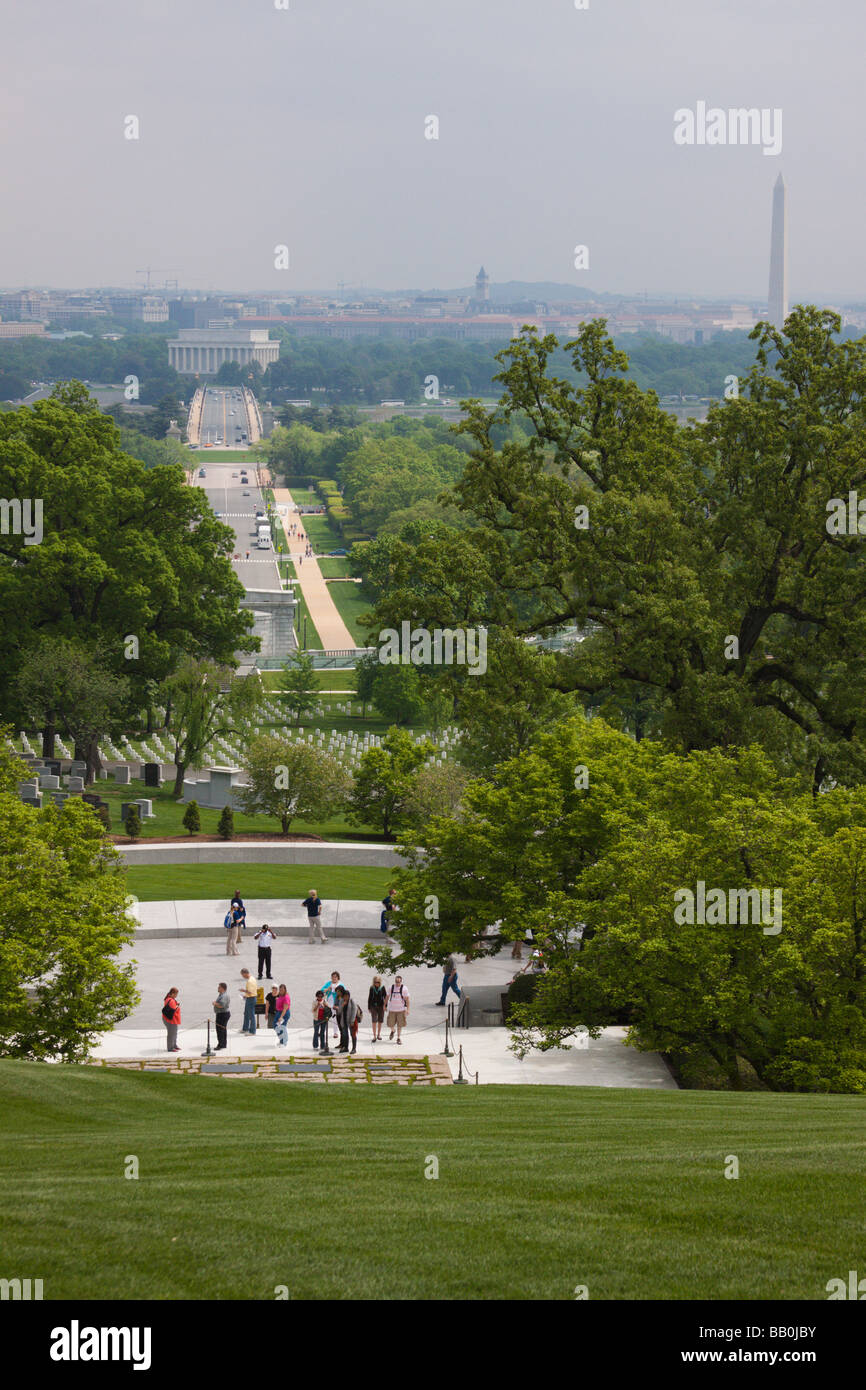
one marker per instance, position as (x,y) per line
(341,918)
(333,633)
(196,965)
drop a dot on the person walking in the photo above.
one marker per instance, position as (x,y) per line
(264,937)
(248,994)
(320,1021)
(171,1019)
(221,1010)
(313,903)
(398,1007)
(449,980)
(389,903)
(376,1005)
(284,1013)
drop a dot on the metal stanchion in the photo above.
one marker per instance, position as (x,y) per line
(449,1024)
(209,1052)
(460,1079)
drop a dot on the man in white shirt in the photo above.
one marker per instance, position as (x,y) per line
(398,1007)
(264,937)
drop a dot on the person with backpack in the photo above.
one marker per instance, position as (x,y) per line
(398,1007)
(376,1005)
(238,906)
(171,1019)
(355,1024)
(284,1013)
(230,923)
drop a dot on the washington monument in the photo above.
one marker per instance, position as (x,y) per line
(778,298)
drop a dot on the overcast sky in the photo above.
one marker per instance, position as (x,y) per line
(306,127)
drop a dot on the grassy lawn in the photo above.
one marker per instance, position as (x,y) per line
(328,679)
(158,883)
(322,534)
(305,496)
(539,1189)
(335,567)
(289,570)
(351,603)
(169,813)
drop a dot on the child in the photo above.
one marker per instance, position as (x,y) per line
(271,1005)
(320,1022)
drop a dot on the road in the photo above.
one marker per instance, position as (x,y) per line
(226,494)
(218,423)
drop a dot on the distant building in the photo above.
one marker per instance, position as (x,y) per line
(202,351)
(195,313)
(138,308)
(24,304)
(22,330)
(482,286)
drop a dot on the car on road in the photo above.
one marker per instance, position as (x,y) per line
(246,494)
(234,475)
(201,473)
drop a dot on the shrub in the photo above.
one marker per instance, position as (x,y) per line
(192,819)
(133,823)
(104,815)
(226,826)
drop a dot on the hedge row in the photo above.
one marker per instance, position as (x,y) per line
(337,511)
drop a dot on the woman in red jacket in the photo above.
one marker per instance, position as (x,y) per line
(171,1019)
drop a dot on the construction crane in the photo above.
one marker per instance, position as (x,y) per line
(160,270)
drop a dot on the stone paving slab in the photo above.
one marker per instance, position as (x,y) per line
(408,1071)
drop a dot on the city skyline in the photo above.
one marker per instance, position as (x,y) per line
(223,132)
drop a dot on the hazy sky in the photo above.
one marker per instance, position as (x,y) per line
(306,126)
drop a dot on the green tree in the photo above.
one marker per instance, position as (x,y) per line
(192,819)
(67,686)
(132,824)
(291,780)
(436,791)
(398,695)
(63,925)
(696,562)
(385,778)
(207,702)
(126,551)
(226,824)
(299,687)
